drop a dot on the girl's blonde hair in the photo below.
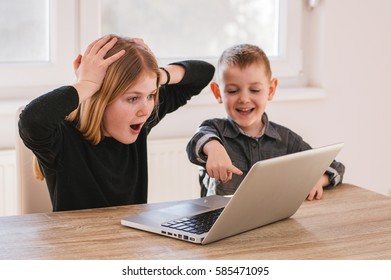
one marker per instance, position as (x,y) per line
(136,63)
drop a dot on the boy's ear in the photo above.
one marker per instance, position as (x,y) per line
(272,89)
(216,91)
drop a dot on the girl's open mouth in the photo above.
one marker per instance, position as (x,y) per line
(136,127)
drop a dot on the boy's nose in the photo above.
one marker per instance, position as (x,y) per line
(244,97)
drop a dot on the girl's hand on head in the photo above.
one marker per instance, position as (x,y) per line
(90,69)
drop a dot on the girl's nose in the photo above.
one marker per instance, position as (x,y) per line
(143,109)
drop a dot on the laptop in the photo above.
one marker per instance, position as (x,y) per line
(273,190)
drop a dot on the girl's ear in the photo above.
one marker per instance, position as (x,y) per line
(272,88)
(216,92)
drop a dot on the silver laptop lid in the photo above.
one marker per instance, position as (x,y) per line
(273,190)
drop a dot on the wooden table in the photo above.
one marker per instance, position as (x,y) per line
(348,223)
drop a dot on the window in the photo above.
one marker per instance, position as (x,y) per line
(202,28)
(178,29)
(25,25)
(39,44)
(44,36)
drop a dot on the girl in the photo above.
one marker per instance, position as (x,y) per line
(90,138)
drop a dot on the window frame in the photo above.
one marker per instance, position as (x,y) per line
(18,80)
(290,62)
(76,23)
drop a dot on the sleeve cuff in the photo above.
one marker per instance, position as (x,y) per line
(334,177)
(200,155)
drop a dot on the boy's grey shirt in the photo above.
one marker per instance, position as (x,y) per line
(245,150)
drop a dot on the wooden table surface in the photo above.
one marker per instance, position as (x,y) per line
(348,223)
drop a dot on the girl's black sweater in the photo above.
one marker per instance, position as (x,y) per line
(80,175)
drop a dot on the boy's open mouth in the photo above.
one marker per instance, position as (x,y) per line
(244,111)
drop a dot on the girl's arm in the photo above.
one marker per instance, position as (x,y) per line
(187,79)
(171,74)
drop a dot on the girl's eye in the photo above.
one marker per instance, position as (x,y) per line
(255,90)
(151,96)
(232,91)
(132,99)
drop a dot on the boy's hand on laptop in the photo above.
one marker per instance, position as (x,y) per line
(317,191)
(218,164)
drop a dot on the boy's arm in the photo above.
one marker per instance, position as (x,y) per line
(335,173)
(218,163)
(206,149)
(332,177)
(195,148)
(317,190)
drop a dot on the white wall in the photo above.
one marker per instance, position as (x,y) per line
(353,68)
(358,68)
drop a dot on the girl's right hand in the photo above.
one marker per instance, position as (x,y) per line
(91,68)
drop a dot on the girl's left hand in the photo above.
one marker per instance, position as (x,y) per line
(90,69)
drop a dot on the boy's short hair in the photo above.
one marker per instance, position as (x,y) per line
(243,55)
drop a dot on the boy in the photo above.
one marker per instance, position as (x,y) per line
(227,148)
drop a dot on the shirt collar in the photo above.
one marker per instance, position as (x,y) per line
(233,129)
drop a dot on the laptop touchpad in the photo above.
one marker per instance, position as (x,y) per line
(184,209)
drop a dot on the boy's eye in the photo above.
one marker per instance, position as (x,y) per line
(255,90)
(232,91)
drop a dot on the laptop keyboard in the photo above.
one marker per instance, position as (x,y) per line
(197,224)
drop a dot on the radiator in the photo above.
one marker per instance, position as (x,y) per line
(171,175)
(7,182)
